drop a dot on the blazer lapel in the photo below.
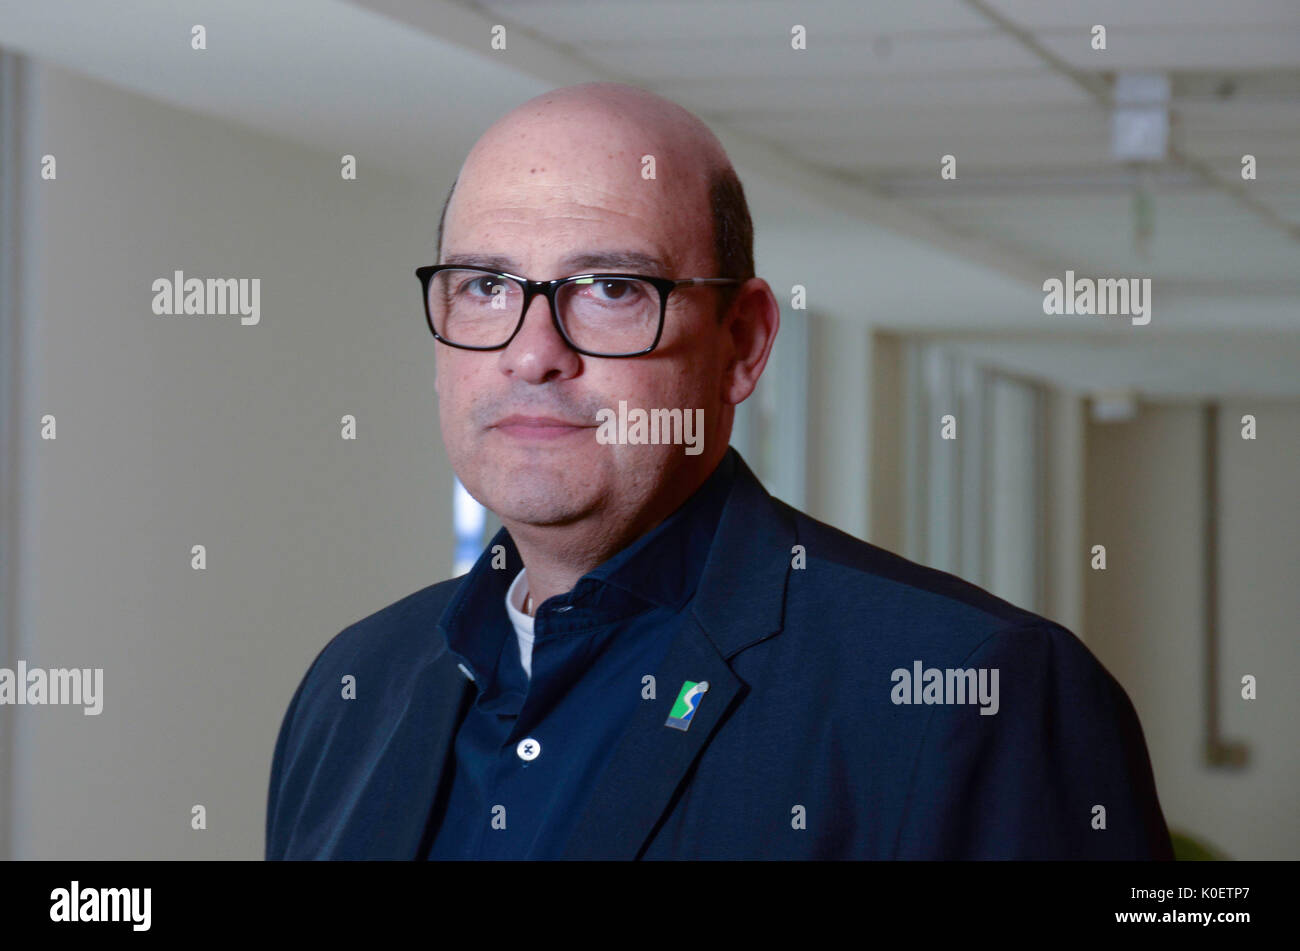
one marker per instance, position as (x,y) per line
(405,786)
(405,789)
(650,760)
(740,601)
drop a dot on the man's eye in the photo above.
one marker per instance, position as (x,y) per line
(612,289)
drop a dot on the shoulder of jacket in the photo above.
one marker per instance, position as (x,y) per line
(856,573)
(400,635)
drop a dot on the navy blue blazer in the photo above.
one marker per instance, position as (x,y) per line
(802,747)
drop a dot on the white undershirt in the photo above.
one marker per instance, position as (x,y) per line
(522,622)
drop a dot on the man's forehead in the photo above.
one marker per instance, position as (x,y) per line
(584,188)
(631,227)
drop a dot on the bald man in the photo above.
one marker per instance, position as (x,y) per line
(654,658)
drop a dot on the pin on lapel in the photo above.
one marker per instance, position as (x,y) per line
(687,702)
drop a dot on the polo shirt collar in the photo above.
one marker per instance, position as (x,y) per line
(662,568)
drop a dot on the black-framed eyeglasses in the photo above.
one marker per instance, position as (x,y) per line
(599,315)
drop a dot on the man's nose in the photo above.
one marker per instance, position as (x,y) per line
(538,354)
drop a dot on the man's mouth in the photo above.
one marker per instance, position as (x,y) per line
(539,427)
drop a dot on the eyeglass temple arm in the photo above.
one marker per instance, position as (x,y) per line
(691,281)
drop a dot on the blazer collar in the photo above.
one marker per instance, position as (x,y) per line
(747,568)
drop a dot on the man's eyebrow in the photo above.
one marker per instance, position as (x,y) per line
(497,261)
(629,261)
(637,261)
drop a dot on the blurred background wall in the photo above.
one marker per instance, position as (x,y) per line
(924,299)
(206,432)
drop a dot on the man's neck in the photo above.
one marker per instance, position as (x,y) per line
(557,556)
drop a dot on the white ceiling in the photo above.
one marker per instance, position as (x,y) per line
(886,88)
(839,144)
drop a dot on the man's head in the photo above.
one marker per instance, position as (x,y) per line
(547,189)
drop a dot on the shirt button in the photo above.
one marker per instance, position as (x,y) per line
(528,749)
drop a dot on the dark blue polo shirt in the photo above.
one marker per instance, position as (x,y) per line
(528,752)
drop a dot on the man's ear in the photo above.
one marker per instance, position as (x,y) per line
(751,323)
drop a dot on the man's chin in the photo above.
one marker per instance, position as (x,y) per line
(538,498)
(540,512)
(538,488)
